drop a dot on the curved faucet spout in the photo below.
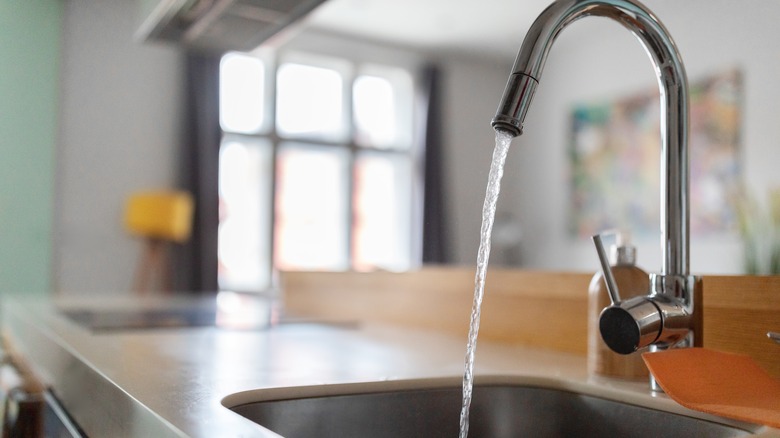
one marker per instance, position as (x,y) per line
(673,85)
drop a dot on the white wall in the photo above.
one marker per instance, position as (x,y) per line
(119,129)
(596,58)
(471,88)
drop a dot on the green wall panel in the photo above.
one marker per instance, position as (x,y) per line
(29,76)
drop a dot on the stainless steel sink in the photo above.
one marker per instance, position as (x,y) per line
(498,410)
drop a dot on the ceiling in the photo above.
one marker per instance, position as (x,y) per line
(487,27)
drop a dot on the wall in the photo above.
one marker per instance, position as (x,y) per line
(595,58)
(471,88)
(120,123)
(30,53)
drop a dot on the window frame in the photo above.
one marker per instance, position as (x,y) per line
(350,69)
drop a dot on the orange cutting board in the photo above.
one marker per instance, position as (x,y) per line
(726,384)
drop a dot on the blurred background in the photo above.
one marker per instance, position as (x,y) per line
(359,139)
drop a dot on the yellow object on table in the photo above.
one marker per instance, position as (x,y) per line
(163,215)
(160,217)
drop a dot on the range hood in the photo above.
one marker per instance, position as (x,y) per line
(219,25)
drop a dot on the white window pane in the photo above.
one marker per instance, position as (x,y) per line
(244,247)
(311,208)
(381,235)
(374,109)
(309,102)
(241,93)
(383,108)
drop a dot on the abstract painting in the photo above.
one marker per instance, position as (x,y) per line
(615,155)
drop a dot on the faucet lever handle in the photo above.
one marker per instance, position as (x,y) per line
(612,289)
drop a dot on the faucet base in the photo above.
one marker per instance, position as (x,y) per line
(686,342)
(679,299)
(691,293)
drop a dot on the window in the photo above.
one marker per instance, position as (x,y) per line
(317,168)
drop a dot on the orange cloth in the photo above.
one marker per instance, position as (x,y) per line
(726,384)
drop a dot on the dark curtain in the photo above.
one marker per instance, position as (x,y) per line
(196,262)
(435,248)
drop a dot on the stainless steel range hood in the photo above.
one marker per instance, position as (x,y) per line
(219,25)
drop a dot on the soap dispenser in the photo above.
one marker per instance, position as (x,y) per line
(631,281)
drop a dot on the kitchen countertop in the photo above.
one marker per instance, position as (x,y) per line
(172,381)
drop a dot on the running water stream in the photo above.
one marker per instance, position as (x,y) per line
(503,140)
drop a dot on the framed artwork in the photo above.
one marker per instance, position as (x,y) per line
(615,160)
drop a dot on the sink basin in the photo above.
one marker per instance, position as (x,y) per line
(432,409)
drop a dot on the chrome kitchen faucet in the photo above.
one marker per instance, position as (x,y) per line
(667,316)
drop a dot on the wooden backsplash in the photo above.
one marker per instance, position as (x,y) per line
(738,313)
(545,309)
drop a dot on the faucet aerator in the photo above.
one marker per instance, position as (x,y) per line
(509,125)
